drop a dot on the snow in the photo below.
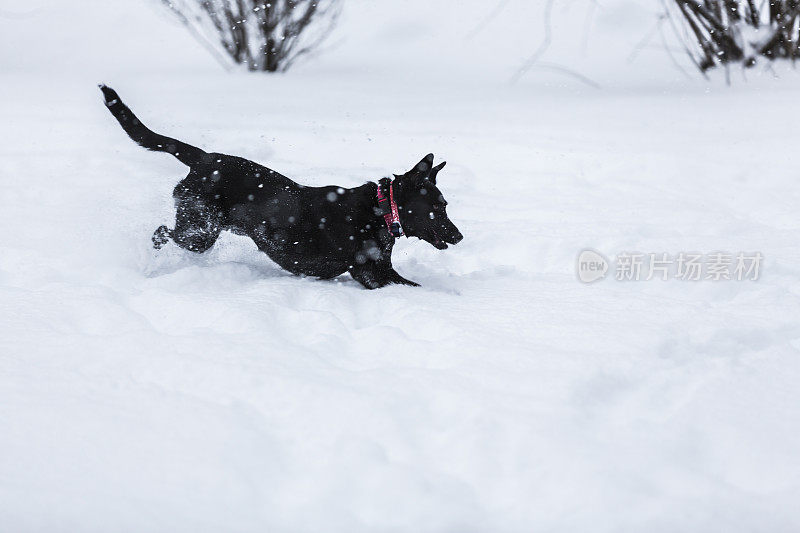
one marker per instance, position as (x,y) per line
(145,390)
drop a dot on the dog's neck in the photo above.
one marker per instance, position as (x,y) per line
(365,212)
(387,206)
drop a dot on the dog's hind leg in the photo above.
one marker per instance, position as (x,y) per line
(197,226)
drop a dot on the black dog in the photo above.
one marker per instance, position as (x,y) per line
(313,231)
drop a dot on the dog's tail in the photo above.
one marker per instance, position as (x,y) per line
(187,154)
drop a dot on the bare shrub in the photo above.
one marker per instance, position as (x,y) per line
(720,32)
(262,35)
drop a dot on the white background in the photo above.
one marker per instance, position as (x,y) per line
(163,391)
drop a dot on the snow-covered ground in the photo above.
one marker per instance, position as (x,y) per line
(163,391)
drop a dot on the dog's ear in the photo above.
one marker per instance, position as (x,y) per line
(422,168)
(435,170)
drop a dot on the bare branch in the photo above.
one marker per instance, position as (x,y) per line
(263,35)
(720,30)
(543,46)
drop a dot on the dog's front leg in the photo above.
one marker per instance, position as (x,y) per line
(397,278)
(370,276)
(377,275)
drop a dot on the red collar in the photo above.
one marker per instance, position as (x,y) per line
(387,207)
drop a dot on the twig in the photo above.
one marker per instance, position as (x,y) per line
(198,36)
(543,46)
(485,22)
(669,52)
(564,70)
(646,39)
(587,23)
(683,42)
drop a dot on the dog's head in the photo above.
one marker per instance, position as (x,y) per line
(422,206)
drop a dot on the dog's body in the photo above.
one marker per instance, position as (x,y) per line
(313,231)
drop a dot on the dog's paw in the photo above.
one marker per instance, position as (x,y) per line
(161,237)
